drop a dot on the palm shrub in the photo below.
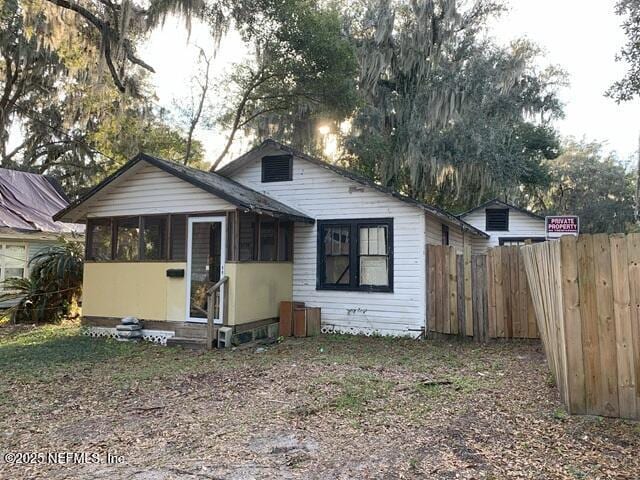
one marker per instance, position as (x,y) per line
(54,283)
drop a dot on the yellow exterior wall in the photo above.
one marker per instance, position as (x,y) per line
(140,289)
(256,290)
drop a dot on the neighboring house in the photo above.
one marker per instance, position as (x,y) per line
(27,204)
(279,224)
(505,224)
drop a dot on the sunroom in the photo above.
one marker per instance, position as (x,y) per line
(172,246)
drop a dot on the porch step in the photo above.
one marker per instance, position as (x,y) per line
(192,330)
(188,342)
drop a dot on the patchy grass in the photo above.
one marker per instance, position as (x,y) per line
(326,407)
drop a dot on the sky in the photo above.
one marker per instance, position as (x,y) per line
(581,36)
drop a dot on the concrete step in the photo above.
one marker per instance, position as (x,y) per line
(187,342)
(191,331)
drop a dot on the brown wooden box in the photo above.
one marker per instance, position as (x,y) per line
(286,317)
(306,322)
(313,321)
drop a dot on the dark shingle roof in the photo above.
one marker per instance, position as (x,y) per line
(248,157)
(496,201)
(222,187)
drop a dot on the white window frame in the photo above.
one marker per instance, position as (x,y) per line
(3,260)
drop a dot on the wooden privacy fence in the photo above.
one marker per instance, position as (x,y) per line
(480,296)
(586,294)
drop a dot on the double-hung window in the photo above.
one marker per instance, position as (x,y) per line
(13,261)
(355,255)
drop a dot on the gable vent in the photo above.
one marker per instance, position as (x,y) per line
(277,168)
(497,219)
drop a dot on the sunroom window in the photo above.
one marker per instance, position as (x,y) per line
(99,239)
(127,238)
(154,237)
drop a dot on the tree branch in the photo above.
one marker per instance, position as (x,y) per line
(108,35)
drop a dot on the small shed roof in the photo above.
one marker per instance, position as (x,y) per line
(28,202)
(222,187)
(497,201)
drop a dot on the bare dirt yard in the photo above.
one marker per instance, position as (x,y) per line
(321,408)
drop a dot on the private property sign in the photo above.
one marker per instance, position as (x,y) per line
(559,225)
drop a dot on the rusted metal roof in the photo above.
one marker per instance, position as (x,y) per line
(28,202)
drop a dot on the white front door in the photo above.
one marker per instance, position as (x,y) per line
(206,243)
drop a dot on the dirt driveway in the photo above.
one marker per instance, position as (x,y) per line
(323,408)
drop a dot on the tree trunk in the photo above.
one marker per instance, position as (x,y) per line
(198,113)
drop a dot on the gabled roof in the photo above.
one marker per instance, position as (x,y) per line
(497,201)
(244,160)
(217,185)
(28,202)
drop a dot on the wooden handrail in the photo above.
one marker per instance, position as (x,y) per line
(217,285)
(211,293)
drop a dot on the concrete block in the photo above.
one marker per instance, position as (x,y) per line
(130,321)
(273,330)
(260,333)
(130,334)
(128,328)
(224,337)
(243,337)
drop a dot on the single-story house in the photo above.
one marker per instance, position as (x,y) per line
(278,224)
(505,224)
(27,204)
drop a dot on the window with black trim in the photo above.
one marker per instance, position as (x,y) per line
(99,239)
(127,238)
(277,168)
(445,235)
(154,237)
(497,219)
(355,255)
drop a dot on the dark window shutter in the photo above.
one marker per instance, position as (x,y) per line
(497,219)
(277,168)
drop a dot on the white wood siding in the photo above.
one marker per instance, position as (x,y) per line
(520,225)
(323,194)
(457,238)
(146,189)
(31,250)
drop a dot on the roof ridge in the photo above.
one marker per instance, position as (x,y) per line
(212,182)
(360,179)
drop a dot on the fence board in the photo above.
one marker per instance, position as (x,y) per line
(572,323)
(468,302)
(482,287)
(461,293)
(588,314)
(622,322)
(431,288)
(514,284)
(606,326)
(499,293)
(491,294)
(506,292)
(454,327)
(439,281)
(633,258)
